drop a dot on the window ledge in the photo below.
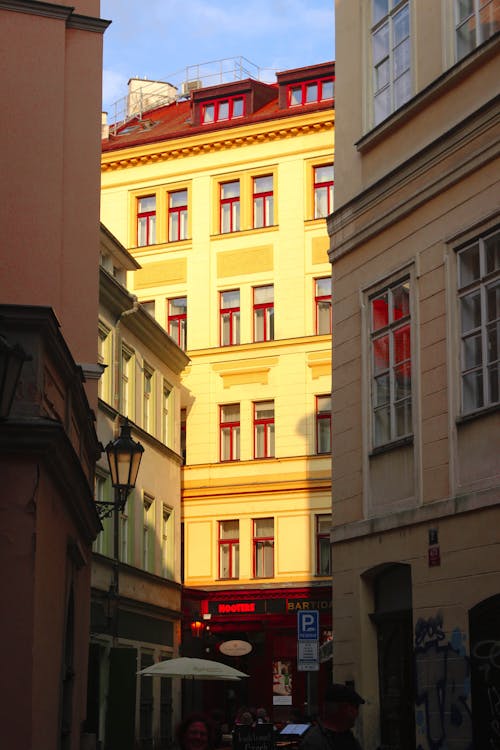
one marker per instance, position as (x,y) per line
(434,90)
(472,416)
(245,232)
(393,445)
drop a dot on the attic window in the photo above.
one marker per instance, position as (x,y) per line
(309,92)
(222,109)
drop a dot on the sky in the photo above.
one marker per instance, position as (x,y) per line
(156,39)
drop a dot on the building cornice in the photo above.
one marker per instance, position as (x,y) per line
(221,140)
(58,12)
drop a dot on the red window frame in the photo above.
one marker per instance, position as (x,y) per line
(322,299)
(266,425)
(231,543)
(180,212)
(217,105)
(150,224)
(233,428)
(232,313)
(321,537)
(177,323)
(267,310)
(263,199)
(322,185)
(323,418)
(258,544)
(302,86)
(233,203)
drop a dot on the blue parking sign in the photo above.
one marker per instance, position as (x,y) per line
(308,625)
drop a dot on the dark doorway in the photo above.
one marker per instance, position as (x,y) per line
(484,628)
(394,623)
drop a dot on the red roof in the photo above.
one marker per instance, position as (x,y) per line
(176,121)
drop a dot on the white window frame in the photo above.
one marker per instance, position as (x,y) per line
(147,531)
(389,19)
(104,357)
(148,389)
(476,336)
(127,367)
(390,331)
(473,20)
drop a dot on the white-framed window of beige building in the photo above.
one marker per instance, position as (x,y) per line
(102,486)
(148,381)
(123,535)
(104,357)
(127,361)
(475,22)
(478,280)
(167,547)
(148,532)
(167,396)
(391,80)
(390,343)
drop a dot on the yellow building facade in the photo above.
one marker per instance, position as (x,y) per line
(221,197)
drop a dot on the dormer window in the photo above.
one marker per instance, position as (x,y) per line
(309,92)
(223,109)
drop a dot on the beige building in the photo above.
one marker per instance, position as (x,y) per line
(221,196)
(136,584)
(415,252)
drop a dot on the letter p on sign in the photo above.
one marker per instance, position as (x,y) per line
(308,625)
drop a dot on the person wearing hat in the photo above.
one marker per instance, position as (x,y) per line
(334,730)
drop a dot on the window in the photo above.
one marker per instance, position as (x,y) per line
(149,307)
(100,497)
(146,221)
(263,313)
(263,425)
(323,424)
(165,413)
(475,22)
(391,51)
(229,549)
(323,566)
(183,434)
(263,214)
(166,567)
(323,303)
(223,109)
(177,320)
(230,432)
(263,547)
(104,358)
(123,534)
(147,532)
(323,191)
(308,92)
(126,393)
(147,398)
(391,363)
(230,317)
(230,207)
(479,302)
(177,215)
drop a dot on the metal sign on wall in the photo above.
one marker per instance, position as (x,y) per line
(308,641)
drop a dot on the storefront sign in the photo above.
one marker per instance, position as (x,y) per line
(278,606)
(235,648)
(259,737)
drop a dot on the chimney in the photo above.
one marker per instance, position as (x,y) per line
(104,126)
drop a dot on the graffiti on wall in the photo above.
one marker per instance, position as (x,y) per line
(442,673)
(486,659)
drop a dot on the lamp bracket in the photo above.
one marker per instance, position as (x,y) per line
(105,509)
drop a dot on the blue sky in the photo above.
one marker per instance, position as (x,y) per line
(156,38)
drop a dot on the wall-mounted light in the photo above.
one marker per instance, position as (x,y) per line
(124,458)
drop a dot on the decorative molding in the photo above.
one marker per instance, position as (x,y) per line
(235,140)
(58,12)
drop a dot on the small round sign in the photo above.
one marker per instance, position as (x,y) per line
(235,648)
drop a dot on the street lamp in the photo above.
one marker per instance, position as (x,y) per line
(12,358)
(124,458)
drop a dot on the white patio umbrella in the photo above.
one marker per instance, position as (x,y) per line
(194,669)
